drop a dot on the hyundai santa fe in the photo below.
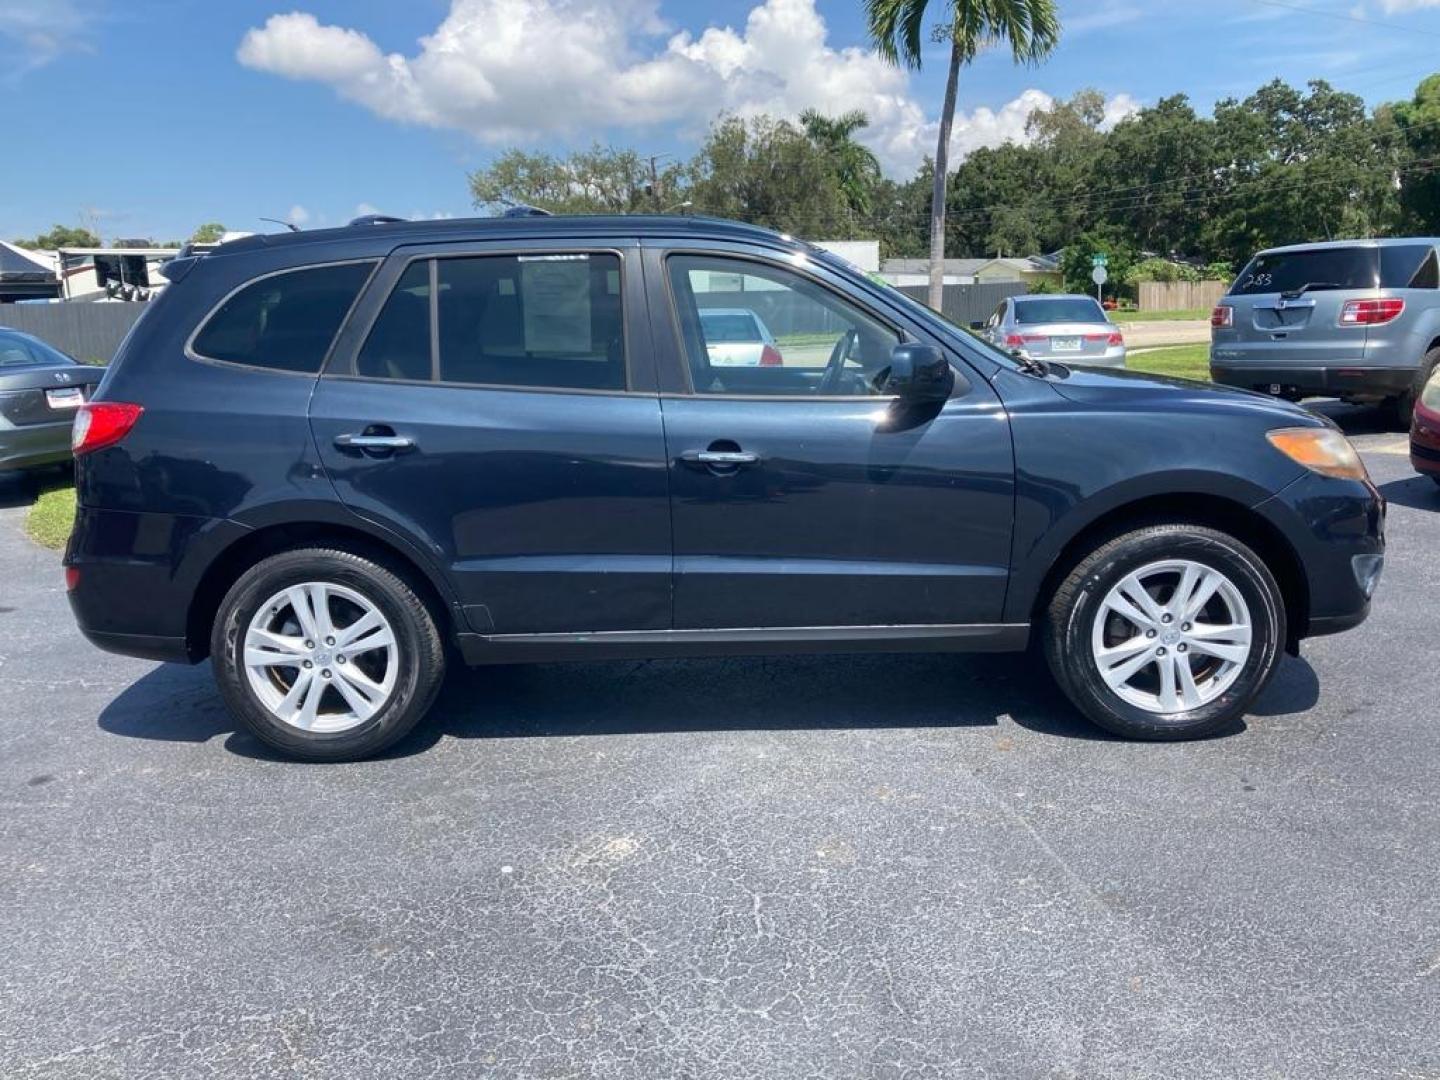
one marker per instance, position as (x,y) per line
(336,461)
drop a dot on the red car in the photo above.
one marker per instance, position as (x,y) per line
(1425,430)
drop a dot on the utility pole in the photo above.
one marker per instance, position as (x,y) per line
(655,194)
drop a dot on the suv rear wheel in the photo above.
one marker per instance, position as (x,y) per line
(326,655)
(1400,411)
(1167,632)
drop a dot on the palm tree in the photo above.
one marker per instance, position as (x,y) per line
(856,168)
(1031,27)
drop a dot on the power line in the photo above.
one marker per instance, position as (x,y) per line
(1347,17)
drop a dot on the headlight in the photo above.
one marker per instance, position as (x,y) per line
(1430,396)
(1320,450)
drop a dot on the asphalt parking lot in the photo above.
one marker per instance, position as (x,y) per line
(890,867)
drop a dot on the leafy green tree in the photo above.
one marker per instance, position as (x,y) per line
(1030,27)
(601,180)
(1076,263)
(899,213)
(1417,124)
(62,236)
(856,166)
(209,233)
(769,172)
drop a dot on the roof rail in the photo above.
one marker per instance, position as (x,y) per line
(520,210)
(375,219)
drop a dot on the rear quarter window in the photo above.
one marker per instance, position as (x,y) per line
(285,321)
(1409,266)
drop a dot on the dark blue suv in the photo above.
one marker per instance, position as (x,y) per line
(330,461)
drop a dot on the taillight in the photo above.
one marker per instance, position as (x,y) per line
(770,357)
(72,578)
(1111,339)
(1013,341)
(1371,312)
(102,423)
(1222,318)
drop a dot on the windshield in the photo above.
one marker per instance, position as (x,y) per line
(20,350)
(728,326)
(923,312)
(1322,269)
(1053,309)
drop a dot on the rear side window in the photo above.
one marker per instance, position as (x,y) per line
(1059,309)
(283,322)
(1320,270)
(1409,266)
(553,322)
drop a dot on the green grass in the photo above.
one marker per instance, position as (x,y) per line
(1182,361)
(1160,316)
(52,515)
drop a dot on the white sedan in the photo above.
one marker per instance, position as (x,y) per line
(737,337)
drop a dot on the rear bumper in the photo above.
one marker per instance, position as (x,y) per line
(137,575)
(34,445)
(1340,381)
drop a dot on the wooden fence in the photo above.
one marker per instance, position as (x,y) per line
(1180,295)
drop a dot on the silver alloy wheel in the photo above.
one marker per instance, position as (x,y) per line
(1172,636)
(320,657)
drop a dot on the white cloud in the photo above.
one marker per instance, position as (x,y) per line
(527,71)
(1399,7)
(364,209)
(298,215)
(42,30)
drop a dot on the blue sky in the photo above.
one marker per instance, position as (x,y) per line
(151,116)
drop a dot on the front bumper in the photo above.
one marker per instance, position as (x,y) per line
(1337,531)
(33,445)
(1425,441)
(1284,380)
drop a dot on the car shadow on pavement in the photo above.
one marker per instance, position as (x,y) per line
(1354,419)
(875,692)
(17,489)
(1415,492)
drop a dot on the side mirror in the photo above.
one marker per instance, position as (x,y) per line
(977,324)
(919,373)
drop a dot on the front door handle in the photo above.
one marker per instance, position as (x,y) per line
(374,442)
(722,457)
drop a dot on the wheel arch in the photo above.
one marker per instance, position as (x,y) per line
(1188,508)
(226,567)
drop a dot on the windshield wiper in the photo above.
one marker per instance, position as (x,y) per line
(1295,294)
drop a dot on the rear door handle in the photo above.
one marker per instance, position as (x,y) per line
(374,442)
(722,458)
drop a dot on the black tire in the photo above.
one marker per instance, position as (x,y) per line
(1399,412)
(1070,621)
(419,651)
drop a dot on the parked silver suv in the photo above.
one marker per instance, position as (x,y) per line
(1358,320)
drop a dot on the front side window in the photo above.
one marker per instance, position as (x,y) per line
(552,321)
(752,328)
(283,322)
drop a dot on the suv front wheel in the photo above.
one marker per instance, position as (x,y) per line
(1167,632)
(326,655)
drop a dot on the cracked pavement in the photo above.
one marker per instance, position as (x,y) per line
(888,867)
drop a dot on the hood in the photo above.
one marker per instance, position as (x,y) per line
(1121,388)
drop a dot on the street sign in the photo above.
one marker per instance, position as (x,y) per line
(1099,259)
(1100,275)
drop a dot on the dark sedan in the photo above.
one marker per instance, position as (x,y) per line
(40,389)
